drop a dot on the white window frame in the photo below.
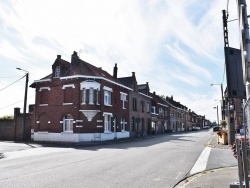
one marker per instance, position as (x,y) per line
(91,95)
(148,107)
(68,125)
(123,124)
(97,95)
(123,99)
(107,98)
(57,72)
(83,96)
(107,122)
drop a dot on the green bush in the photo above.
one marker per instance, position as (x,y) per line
(7,117)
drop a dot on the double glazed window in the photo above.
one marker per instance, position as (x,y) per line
(57,72)
(107,97)
(123,124)
(68,123)
(107,123)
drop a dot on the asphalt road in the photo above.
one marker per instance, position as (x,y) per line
(156,162)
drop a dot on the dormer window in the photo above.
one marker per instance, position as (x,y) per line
(57,72)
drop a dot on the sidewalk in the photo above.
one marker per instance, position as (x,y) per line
(215,178)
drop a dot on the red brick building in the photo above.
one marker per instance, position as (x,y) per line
(80,102)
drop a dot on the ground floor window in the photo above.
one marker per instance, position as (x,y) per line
(123,124)
(68,123)
(107,123)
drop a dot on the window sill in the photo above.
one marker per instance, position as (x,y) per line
(107,105)
(67,132)
(107,132)
(65,104)
(43,132)
(43,104)
(83,103)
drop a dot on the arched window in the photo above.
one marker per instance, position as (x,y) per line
(68,123)
(57,72)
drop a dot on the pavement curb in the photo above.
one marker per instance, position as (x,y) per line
(193,177)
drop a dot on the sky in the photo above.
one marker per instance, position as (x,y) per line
(176,46)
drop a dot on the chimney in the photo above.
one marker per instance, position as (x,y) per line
(115,72)
(58,56)
(171,97)
(74,57)
(133,74)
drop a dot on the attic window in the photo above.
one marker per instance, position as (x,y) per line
(57,72)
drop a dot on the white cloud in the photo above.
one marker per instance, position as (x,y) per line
(134,34)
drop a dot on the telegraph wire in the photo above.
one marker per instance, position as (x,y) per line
(15,103)
(12,83)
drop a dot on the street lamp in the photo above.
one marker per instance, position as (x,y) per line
(25,101)
(222,100)
(217,116)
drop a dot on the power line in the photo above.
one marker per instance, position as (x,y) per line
(14,103)
(12,83)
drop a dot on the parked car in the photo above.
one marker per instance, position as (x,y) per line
(216,129)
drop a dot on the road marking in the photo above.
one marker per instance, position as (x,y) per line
(178,175)
(201,163)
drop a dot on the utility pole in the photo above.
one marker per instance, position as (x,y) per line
(231,126)
(245,50)
(25,103)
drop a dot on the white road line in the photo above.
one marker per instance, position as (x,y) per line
(201,163)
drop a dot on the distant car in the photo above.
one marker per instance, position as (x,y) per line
(216,129)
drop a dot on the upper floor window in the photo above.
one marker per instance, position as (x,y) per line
(148,107)
(107,98)
(57,72)
(153,110)
(134,104)
(123,99)
(91,95)
(84,96)
(161,111)
(142,105)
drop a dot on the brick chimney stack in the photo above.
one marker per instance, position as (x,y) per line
(115,71)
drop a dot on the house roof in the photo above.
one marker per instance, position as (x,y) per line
(126,80)
(80,68)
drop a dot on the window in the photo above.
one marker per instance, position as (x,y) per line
(142,105)
(107,123)
(123,124)
(134,104)
(57,72)
(133,124)
(84,96)
(68,123)
(97,94)
(123,99)
(153,110)
(160,111)
(148,107)
(91,95)
(107,97)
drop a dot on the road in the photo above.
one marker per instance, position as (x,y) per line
(161,161)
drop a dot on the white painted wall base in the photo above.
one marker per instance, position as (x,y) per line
(78,137)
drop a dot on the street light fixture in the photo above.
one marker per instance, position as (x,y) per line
(25,101)
(217,116)
(222,101)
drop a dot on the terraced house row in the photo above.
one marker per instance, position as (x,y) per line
(79,102)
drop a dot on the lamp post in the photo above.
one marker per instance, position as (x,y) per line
(217,117)
(222,101)
(25,102)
